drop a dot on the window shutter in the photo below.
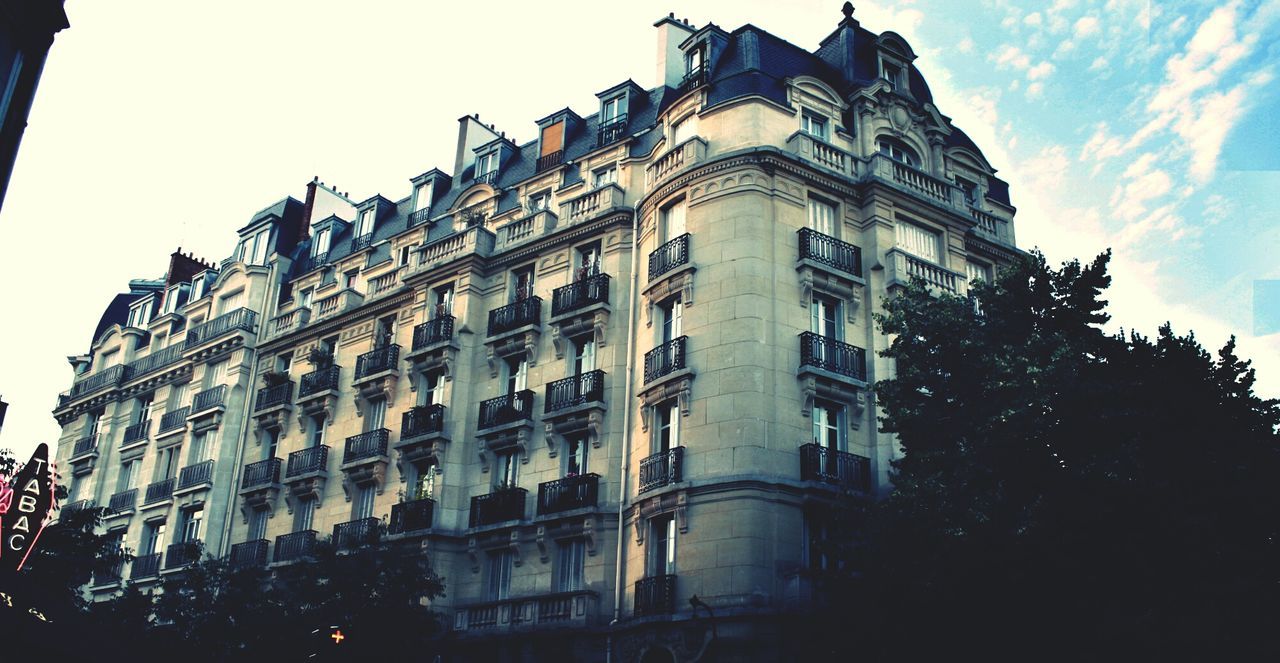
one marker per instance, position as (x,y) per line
(552,139)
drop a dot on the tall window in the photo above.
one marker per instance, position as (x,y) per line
(539,201)
(140,312)
(364,226)
(604,176)
(177,396)
(661,553)
(822,216)
(898,152)
(584,354)
(214,374)
(152,538)
(303,514)
(894,74)
(423,485)
(429,391)
(317,430)
(506,471)
(673,221)
(192,522)
(406,254)
(142,409)
(167,462)
(575,457)
(321,243)
(666,430)
(385,332)
(517,373)
(977,271)
(486,163)
(588,258)
(253,248)
(672,312)
(684,130)
(552,139)
(970,190)
(919,242)
(422,196)
(257,524)
(201,444)
(610,110)
(375,414)
(571,556)
(826,425)
(304,297)
(498,575)
(693,61)
(824,317)
(814,125)
(362,502)
(522,283)
(128,473)
(443,300)
(272,438)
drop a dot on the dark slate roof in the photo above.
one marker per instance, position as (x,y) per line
(117,313)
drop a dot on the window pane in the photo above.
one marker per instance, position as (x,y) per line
(918,241)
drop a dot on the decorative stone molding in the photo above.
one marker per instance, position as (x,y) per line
(324,402)
(815,277)
(370,470)
(678,385)
(540,538)
(512,436)
(677,281)
(380,385)
(676,503)
(589,421)
(522,341)
(592,320)
(259,497)
(847,391)
(308,486)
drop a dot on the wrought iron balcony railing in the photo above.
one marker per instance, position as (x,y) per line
(569,493)
(174,420)
(506,409)
(421,420)
(194,475)
(431,332)
(159,491)
(137,432)
(279,394)
(107,377)
(241,319)
(550,161)
(156,360)
(692,80)
(828,250)
(250,554)
(369,444)
(574,391)
(209,399)
(84,446)
(145,566)
(661,469)
(612,130)
(832,355)
(314,262)
(419,217)
(261,473)
(295,545)
(412,516)
(655,595)
(527,311)
(669,256)
(180,554)
(377,361)
(362,242)
(356,533)
(588,291)
(324,379)
(311,459)
(664,359)
(487,178)
(843,469)
(497,507)
(124,500)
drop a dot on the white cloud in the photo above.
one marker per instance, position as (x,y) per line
(965,46)
(1035,90)
(1206,130)
(1040,71)
(1008,56)
(1099,64)
(1033,19)
(1087,26)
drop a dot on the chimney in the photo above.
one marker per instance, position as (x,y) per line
(838,48)
(472,133)
(308,206)
(671,32)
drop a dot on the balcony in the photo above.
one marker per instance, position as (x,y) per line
(84,447)
(362,242)
(579,295)
(295,545)
(76,506)
(123,501)
(422,436)
(145,566)
(611,131)
(536,224)
(902,267)
(356,533)
(103,379)
(366,446)
(568,494)
(313,262)
(260,474)
(816,151)
(486,178)
(665,359)
(419,217)
(655,595)
(290,320)
(158,358)
(550,160)
(838,468)
(195,476)
(834,356)
(916,182)
(506,409)
(159,492)
(381,360)
(593,203)
(136,433)
(669,256)
(337,304)
(990,226)
(829,251)
(178,555)
(422,420)
(172,422)
(686,154)
(427,334)
(209,399)
(319,381)
(575,391)
(273,396)
(413,516)
(661,469)
(499,506)
(562,610)
(250,554)
(522,313)
(241,319)
(475,240)
(110,575)
(312,460)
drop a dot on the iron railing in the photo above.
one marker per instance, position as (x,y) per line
(174,420)
(194,475)
(421,420)
(669,256)
(419,217)
(324,379)
(506,409)
(843,469)
(180,554)
(527,311)
(431,332)
(209,399)
(356,533)
(664,359)
(486,178)
(550,161)
(124,500)
(369,444)
(661,469)
(311,263)
(377,361)
(279,394)
(361,242)
(831,355)
(569,493)
(692,80)
(295,545)
(312,459)
(159,491)
(242,319)
(591,290)
(655,595)
(412,516)
(137,432)
(85,445)
(611,130)
(146,566)
(261,473)
(830,251)
(108,377)
(250,554)
(497,507)
(156,360)
(573,391)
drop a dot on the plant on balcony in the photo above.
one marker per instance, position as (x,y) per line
(471,218)
(319,358)
(274,378)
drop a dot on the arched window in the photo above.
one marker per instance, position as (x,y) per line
(898,152)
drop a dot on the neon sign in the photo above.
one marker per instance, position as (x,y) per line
(26,501)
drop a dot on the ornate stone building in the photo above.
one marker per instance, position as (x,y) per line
(592,376)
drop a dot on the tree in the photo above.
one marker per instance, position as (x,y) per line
(1065,494)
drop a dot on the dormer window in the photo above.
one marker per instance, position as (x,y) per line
(970,190)
(814,125)
(693,62)
(486,167)
(684,130)
(362,237)
(200,285)
(422,197)
(321,244)
(140,312)
(253,248)
(175,296)
(611,111)
(898,152)
(893,72)
(551,147)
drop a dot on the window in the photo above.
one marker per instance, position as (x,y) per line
(192,520)
(303,514)
(152,538)
(666,432)
(827,431)
(167,463)
(257,524)
(253,248)
(498,575)
(362,502)
(214,374)
(610,110)
(317,430)
(365,224)
(406,254)
(140,312)
(919,242)
(283,362)
(673,221)
(422,196)
(575,457)
(177,396)
(571,557)
(824,317)
(349,279)
(977,271)
(444,300)
(661,553)
(517,373)
(505,471)
(200,285)
(92,424)
(486,163)
(970,190)
(521,283)
(175,296)
(375,414)
(142,409)
(822,217)
(693,61)
(552,139)
(898,152)
(604,177)
(272,437)
(588,259)
(684,130)
(304,297)
(817,534)
(893,73)
(584,354)
(429,392)
(423,485)
(128,475)
(200,445)
(539,201)
(321,243)
(385,333)
(672,312)
(814,125)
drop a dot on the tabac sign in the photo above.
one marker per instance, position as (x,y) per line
(25,502)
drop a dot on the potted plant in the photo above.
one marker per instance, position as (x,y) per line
(320,358)
(274,378)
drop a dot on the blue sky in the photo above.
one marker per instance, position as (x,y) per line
(1146,127)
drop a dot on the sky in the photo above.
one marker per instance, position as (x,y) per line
(1149,128)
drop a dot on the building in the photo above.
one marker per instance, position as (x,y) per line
(593,376)
(26,32)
